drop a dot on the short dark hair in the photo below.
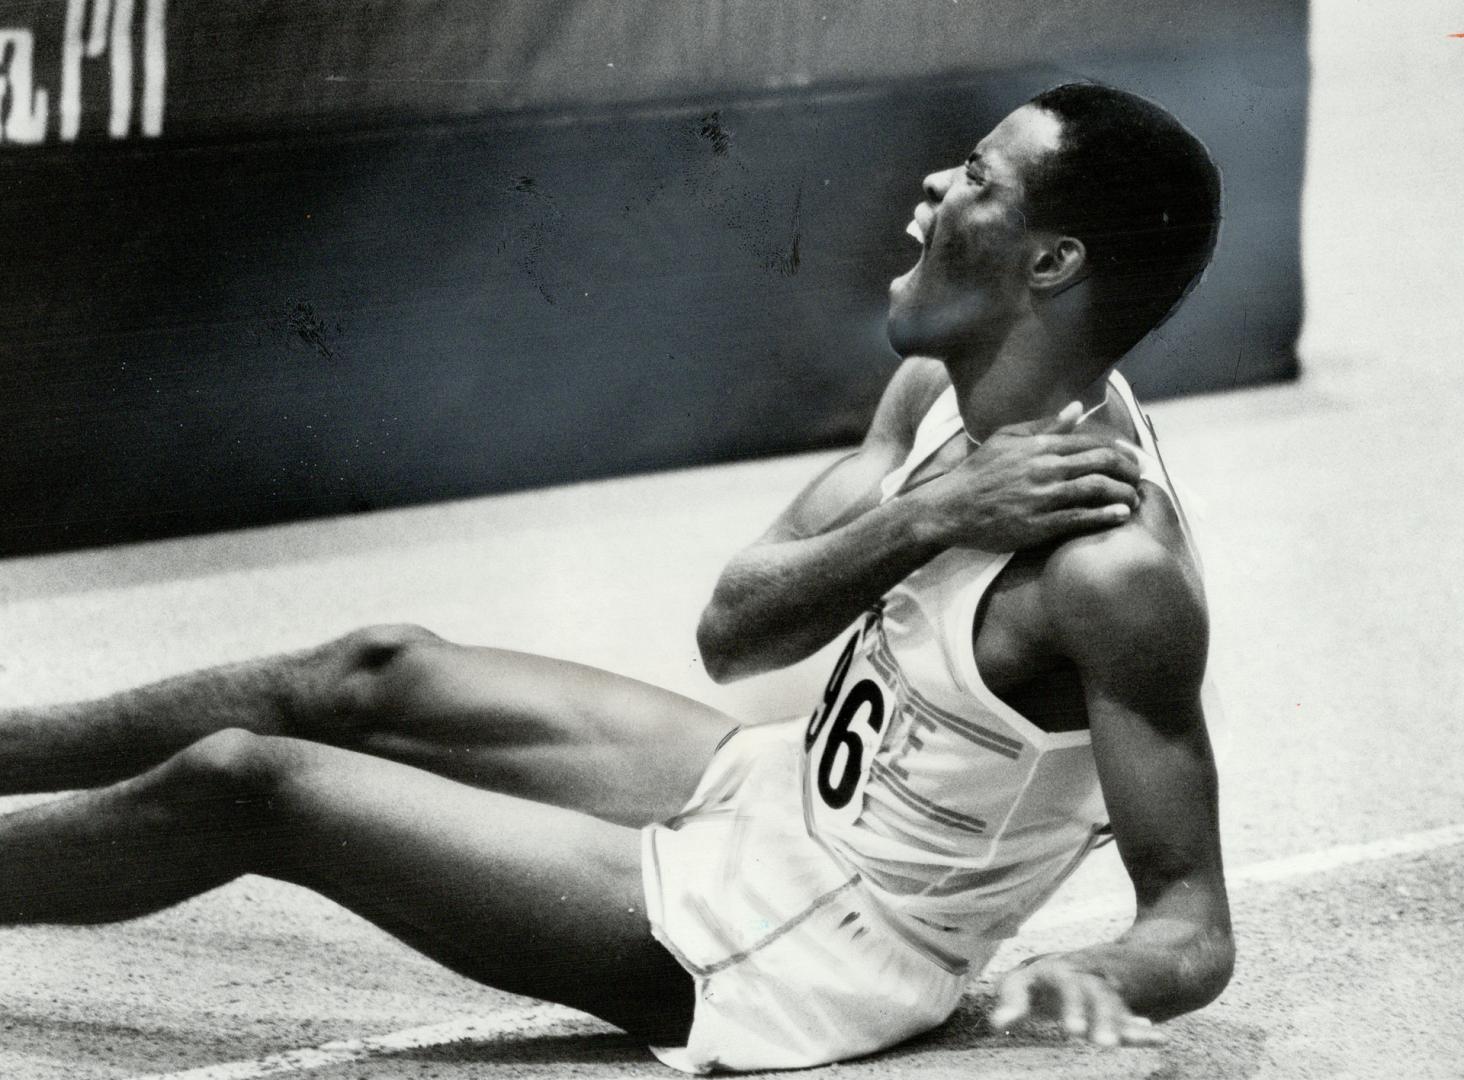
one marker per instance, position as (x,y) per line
(1142,194)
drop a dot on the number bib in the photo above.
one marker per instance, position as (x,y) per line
(845,732)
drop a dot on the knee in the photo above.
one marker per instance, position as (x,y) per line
(375,647)
(232,764)
(349,683)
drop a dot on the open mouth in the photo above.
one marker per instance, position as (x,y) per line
(920,229)
(921,224)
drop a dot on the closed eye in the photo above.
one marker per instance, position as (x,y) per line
(973,168)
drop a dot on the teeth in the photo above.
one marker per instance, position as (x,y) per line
(913,229)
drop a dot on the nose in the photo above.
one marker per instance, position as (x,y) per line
(937,184)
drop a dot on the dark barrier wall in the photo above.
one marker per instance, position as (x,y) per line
(274,260)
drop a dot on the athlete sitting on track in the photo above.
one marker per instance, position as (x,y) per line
(828,886)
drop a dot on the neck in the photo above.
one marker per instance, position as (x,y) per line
(1033,371)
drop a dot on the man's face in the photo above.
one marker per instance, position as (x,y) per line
(974,242)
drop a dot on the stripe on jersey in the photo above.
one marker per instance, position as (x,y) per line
(883,662)
(943,814)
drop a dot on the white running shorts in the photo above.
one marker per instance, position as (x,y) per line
(795,963)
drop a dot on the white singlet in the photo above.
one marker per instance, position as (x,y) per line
(885,848)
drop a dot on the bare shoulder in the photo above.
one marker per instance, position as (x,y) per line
(913,388)
(1127,603)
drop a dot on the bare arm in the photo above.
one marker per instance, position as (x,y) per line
(835,549)
(828,555)
(1132,618)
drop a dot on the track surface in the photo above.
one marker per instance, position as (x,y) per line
(1342,702)
(1335,564)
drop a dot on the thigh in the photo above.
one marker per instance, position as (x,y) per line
(532,899)
(545,730)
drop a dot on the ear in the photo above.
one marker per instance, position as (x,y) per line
(1056,265)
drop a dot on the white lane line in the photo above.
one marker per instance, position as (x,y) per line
(531,1020)
(1263,873)
(540,1018)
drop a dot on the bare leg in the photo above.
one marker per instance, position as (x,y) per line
(524,725)
(88,743)
(529,898)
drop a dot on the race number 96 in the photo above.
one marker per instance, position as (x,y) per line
(844,733)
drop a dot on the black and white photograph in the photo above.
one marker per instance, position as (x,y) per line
(626,538)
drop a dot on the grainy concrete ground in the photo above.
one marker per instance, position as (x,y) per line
(1335,562)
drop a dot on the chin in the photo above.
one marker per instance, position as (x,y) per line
(913,330)
(902,324)
(901,331)
(901,337)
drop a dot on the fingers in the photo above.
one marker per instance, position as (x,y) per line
(1073,1005)
(1013,1001)
(1072,520)
(1104,1019)
(1108,460)
(1140,1031)
(1049,442)
(1094,490)
(1063,422)
(1109,1022)
(1085,1005)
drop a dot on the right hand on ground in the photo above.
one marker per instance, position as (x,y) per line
(1085,1003)
(1033,483)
